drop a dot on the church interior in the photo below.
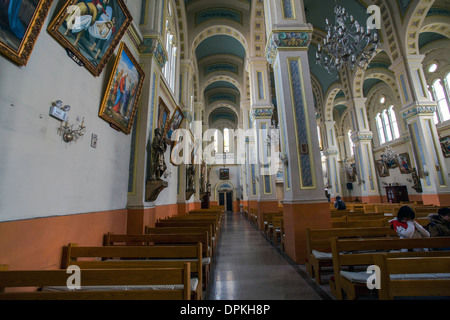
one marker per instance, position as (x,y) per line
(117,116)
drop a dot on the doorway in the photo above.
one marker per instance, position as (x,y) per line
(226,199)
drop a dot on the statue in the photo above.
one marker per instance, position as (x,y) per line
(156,184)
(416,180)
(159,147)
(190,176)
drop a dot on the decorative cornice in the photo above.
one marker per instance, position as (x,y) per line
(262,113)
(152,46)
(362,137)
(420,110)
(299,39)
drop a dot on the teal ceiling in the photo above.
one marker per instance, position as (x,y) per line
(220,44)
(429,37)
(222,114)
(220,84)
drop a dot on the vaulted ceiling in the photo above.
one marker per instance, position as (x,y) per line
(221,57)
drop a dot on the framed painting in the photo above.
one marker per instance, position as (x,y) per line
(382,168)
(20,25)
(90,31)
(163,115)
(224,174)
(445,146)
(124,89)
(174,123)
(404,164)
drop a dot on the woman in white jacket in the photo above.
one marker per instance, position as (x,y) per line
(406,227)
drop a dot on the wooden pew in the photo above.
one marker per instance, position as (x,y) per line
(360,252)
(97,284)
(278,231)
(185,230)
(407,285)
(111,239)
(372,223)
(318,245)
(268,218)
(124,257)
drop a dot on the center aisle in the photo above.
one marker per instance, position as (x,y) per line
(248,267)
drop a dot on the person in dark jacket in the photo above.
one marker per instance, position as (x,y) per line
(339,204)
(439,225)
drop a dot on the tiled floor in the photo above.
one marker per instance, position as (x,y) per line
(248,267)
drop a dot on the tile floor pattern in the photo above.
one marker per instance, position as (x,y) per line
(248,267)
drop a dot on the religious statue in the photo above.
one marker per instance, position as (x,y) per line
(190,176)
(159,147)
(416,180)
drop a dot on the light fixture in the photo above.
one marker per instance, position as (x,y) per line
(346,167)
(382,99)
(389,155)
(69,132)
(347,43)
(432,67)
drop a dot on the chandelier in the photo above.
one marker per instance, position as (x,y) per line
(346,43)
(347,167)
(389,156)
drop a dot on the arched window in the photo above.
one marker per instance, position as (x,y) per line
(171,48)
(226,140)
(393,120)
(381,137)
(350,142)
(387,125)
(440,95)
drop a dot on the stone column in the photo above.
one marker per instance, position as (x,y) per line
(331,154)
(418,110)
(261,116)
(362,140)
(304,204)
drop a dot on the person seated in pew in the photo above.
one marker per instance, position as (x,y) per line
(406,227)
(439,225)
(340,204)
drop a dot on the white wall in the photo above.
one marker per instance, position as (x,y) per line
(40,175)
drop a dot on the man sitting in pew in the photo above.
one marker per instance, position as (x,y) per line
(439,225)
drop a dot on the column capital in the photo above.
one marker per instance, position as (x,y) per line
(419,111)
(288,39)
(151,45)
(261,113)
(362,136)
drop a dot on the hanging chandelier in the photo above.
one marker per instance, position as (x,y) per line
(389,155)
(346,43)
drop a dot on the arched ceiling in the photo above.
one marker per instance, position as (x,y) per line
(223,54)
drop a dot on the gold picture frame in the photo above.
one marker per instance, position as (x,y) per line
(21,24)
(90,33)
(124,89)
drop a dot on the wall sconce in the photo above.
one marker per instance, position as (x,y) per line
(425,171)
(69,132)
(167,174)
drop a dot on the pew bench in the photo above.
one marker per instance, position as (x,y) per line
(98,284)
(111,239)
(361,252)
(142,257)
(413,276)
(318,245)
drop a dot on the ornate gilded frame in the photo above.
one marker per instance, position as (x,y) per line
(116,118)
(22,53)
(79,45)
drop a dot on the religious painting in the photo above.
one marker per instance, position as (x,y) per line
(174,123)
(392,164)
(224,174)
(122,95)
(382,168)
(163,115)
(91,30)
(404,163)
(20,24)
(445,146)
